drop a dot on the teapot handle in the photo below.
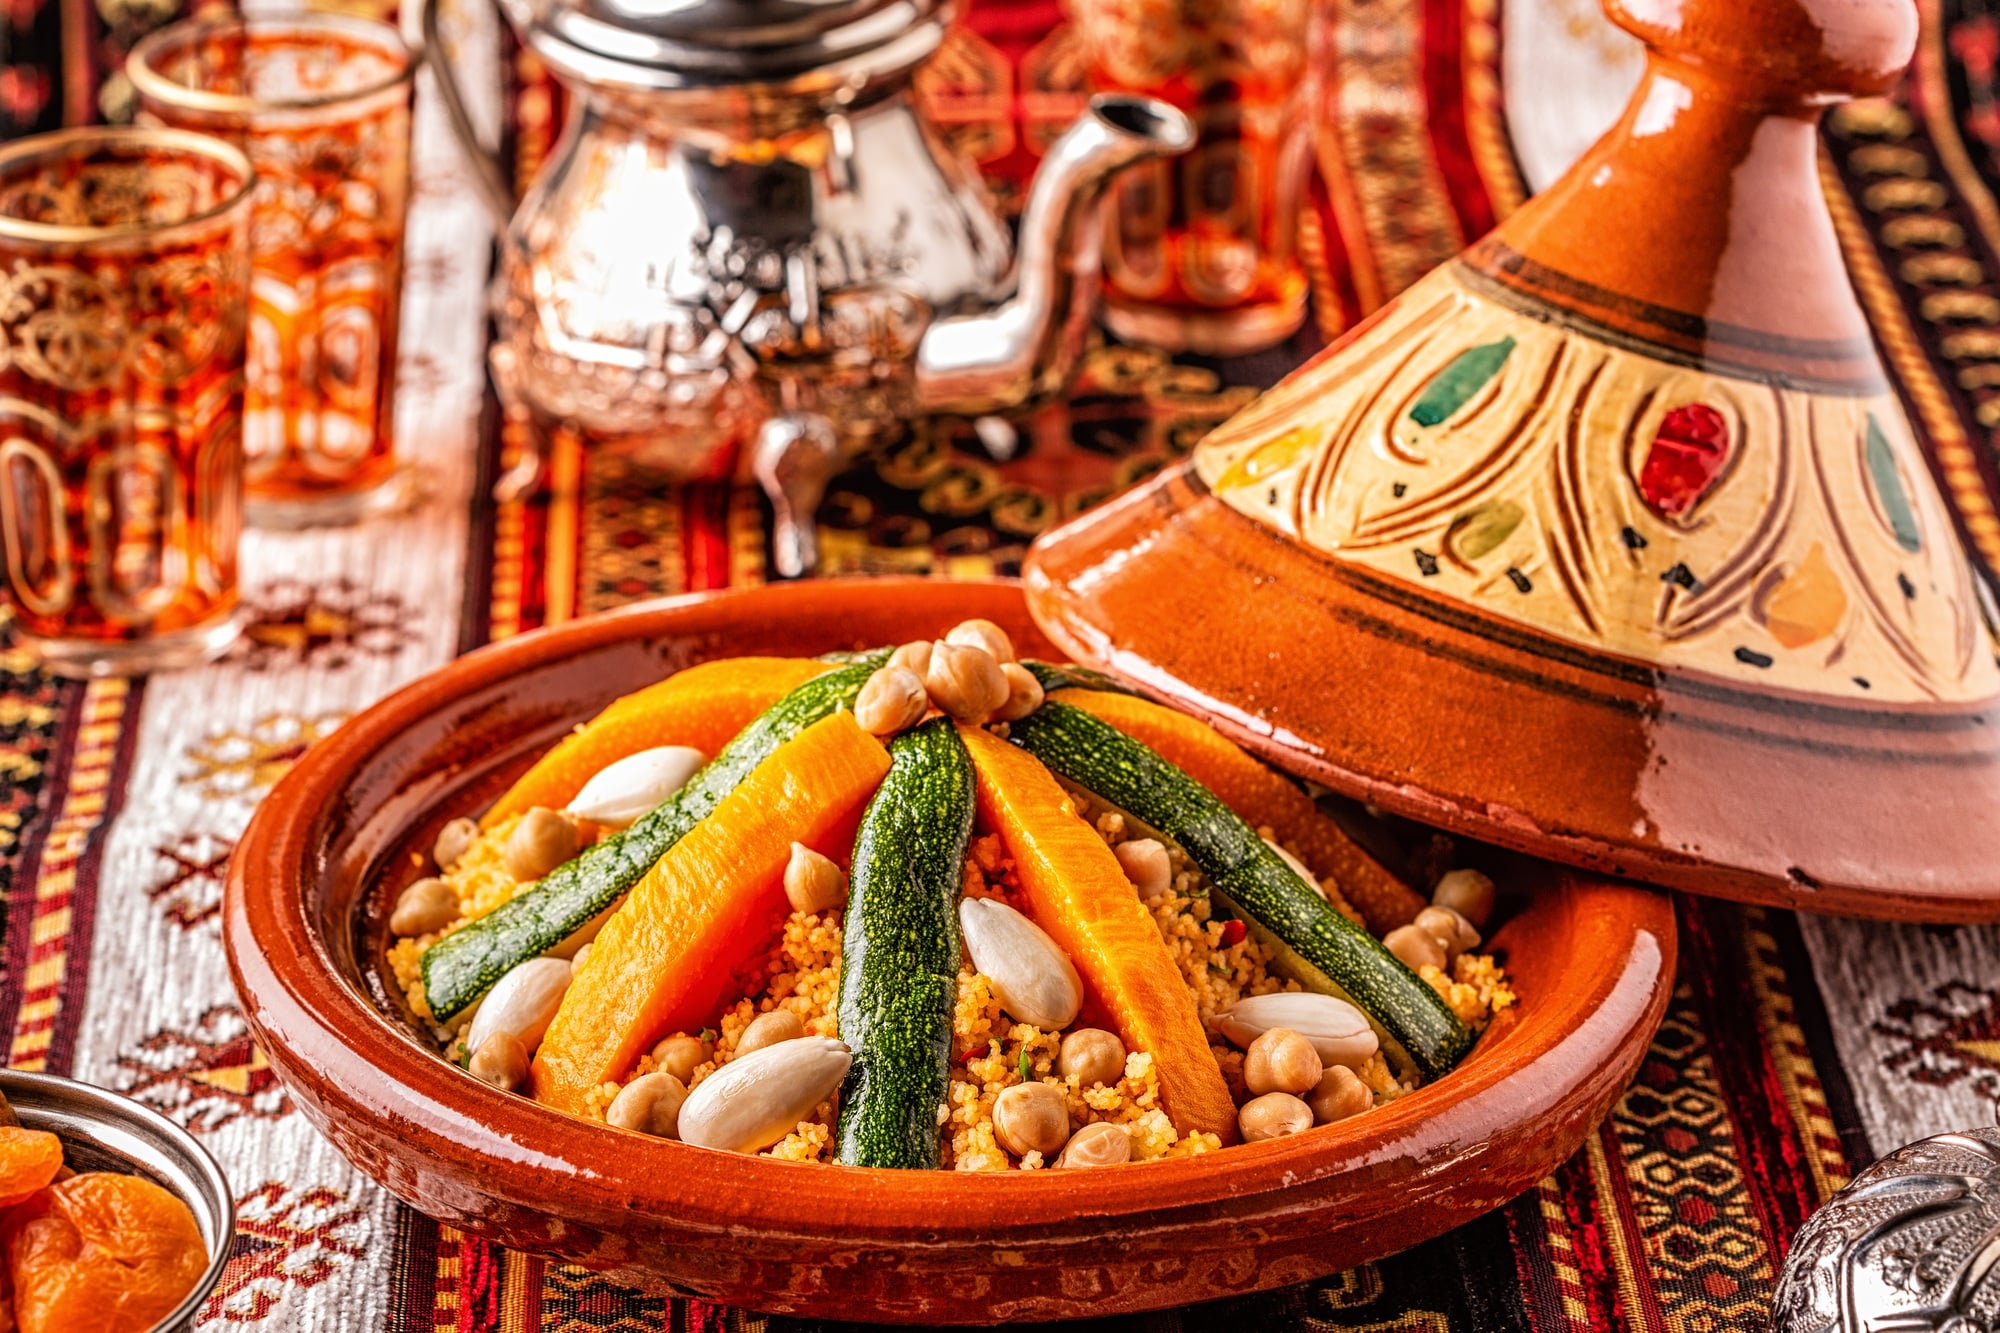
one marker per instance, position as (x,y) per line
(486,171)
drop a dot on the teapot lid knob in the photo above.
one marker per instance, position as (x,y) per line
(1698,225)
(1809,52)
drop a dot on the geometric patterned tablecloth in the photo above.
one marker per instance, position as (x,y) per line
(1795,1050)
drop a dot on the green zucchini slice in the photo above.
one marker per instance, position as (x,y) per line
(899,952)
(1320,947)
(462,966)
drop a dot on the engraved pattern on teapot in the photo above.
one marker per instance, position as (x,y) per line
(750,219)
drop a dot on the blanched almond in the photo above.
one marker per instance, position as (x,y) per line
(1337,1030)
(522,1003)
(752,1102)
(622,792)
(1032,977)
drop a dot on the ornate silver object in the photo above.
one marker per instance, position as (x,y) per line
(750,224)
(1912,1245)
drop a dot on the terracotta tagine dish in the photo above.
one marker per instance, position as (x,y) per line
(836,950)
(1609,540)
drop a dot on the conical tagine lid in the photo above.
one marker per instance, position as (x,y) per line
(1607,541)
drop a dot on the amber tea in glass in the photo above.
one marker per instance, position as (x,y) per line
(321,104)
(1201,250)
(124,278)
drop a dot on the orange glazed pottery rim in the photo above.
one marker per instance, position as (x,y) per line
(1546,1078)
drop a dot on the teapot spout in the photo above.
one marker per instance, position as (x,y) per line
(1028,345)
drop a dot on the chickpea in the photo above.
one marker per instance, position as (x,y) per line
(1281,1060)
(452,841)
(891,700)
(1031,1117)
(427,905)
(1093,1055)
(680,1055)
(1273,1116)
(1453,932)
(1024,693)
(813,883)
(576,963)
(769,1029)
(1146,863)
(1097,1144)
(1340,1094)
(649,1104)
(983,634)
(914,657)
(966,682)
(542,841)
(500,1060)
(1417,947)
(1468,893)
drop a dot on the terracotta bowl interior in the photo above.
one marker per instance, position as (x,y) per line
(305,927)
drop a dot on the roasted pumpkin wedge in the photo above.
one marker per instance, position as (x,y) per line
(459,968)
(1260,797)
(1317,945)
(707,909)
(702,707)
(1076,892)
(899,952)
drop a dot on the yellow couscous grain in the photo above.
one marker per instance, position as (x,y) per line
(990,1053)
(481,881)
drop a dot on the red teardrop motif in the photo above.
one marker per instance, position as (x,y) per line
(1685,457)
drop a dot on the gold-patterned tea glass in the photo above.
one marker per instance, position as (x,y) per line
(124,278)
(1201,250)
(321,103)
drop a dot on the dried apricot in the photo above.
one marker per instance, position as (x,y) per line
(101,1253)
(29,1159)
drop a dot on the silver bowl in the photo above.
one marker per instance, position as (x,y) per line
(101,1131)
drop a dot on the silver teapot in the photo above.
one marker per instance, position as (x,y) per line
(751,232)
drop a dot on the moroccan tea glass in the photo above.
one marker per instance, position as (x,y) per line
(1201,250)
(321,104)
(124,278)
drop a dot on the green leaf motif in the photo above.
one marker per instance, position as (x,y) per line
(1454,386)
(1889,489)
(1482,530)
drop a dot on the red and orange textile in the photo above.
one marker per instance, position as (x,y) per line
(1796,1048)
